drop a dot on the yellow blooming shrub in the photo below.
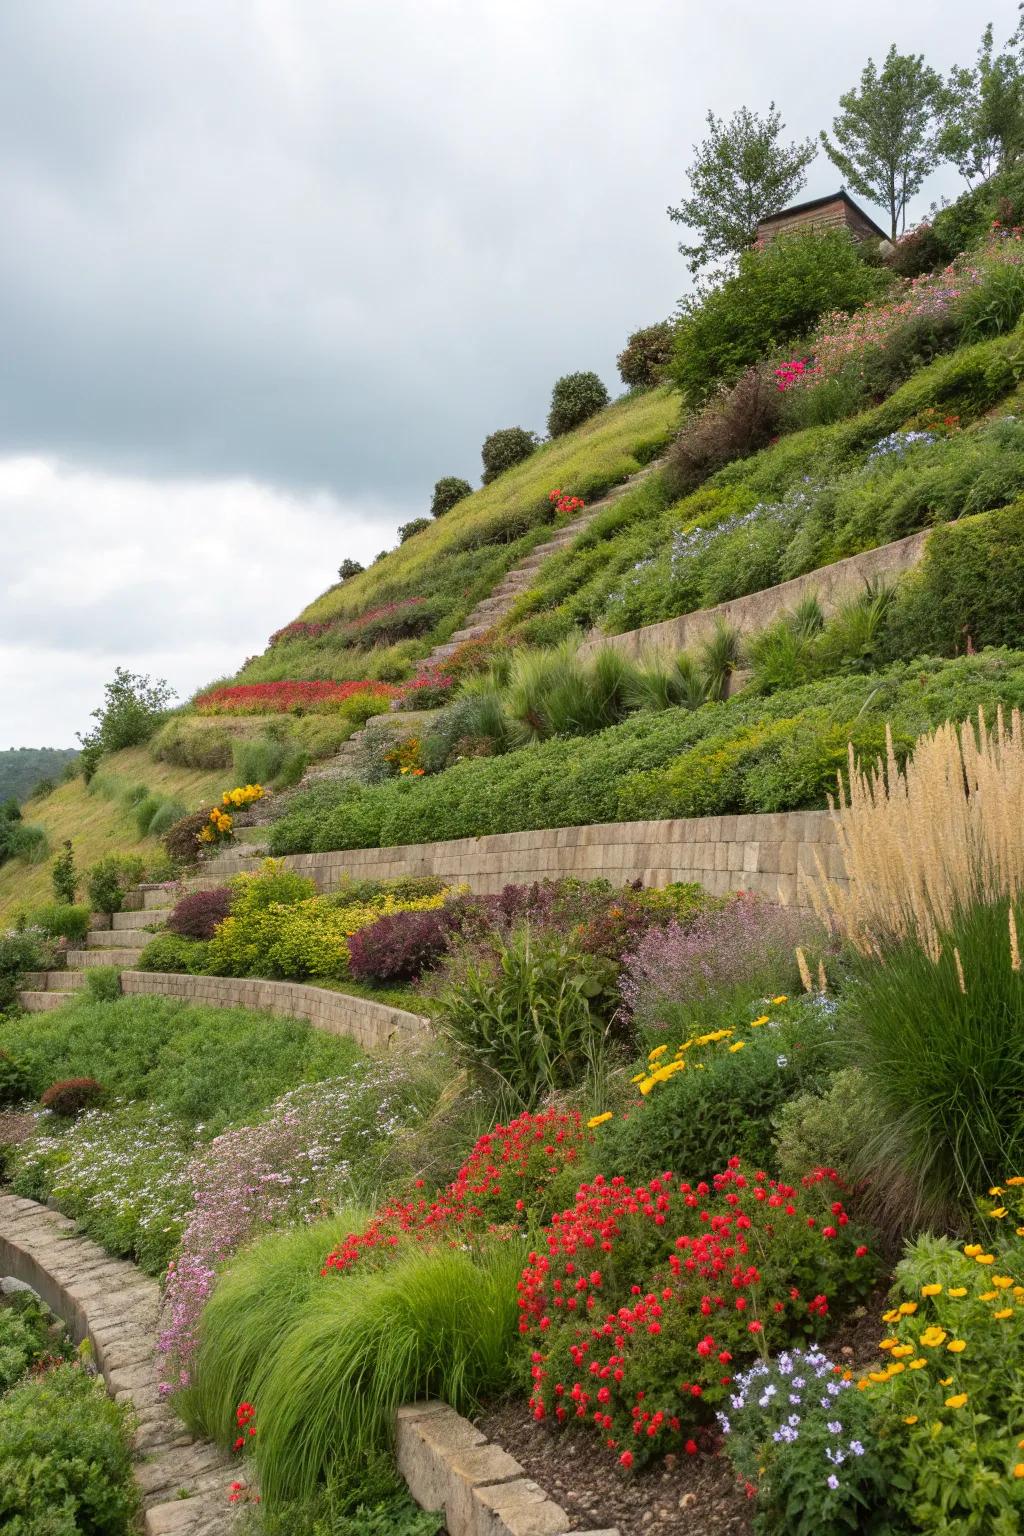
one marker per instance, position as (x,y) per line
(243,795)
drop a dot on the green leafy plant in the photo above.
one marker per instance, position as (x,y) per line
(646,355)
(415,525)
(110,878)
(64,875)
(575,398)
(505,448)
(448,492)
(61,922)
(14,1081)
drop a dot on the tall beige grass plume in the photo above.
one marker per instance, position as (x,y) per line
(921,841)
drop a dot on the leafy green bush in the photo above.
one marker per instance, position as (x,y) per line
(177,953)
(777,295)
(66,1457)
(209,1066)
(968,589)
(26,1338)
(646,355)
(103,983)
(575,398)
(448,492)
(61,921)
(530,1021)
(110,878)
(27,950)
(505,448)
(825,1129)
(63,875)
(415,525)
(129,715)
(21,840)
(14,1083)
(612,774)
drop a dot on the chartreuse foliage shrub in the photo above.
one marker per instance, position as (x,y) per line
(66,1457)
(448,492)
(61,921)
(748,754)
(777,295)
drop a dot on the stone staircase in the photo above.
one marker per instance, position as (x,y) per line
(116,940)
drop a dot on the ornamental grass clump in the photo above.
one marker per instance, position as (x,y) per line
(934,1014)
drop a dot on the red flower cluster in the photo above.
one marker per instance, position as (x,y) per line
(565,504)
(730,1270)
(244,1415)
(791,373)
(314,696)
(505,1174)
(301,629)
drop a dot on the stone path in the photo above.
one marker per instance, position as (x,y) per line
(111,1303)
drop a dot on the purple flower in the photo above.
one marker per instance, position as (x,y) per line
(832,1481)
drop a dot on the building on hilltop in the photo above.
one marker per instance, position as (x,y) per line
(836,211)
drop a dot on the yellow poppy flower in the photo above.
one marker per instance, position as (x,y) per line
(933,1336)
(957,1346)
(984,1258)
(597,1120)
(782,998)
(998,1212)
(737,1047)
(945,1381)
(907,1308)
(890,1317)
(756,1023)
(902,1350)
(896,1368)
(911,1418)
(878,1376)
(659,1050)
(888,1343)
(1003,1313)
(1002,1282)
(957,1400)
(919,1364)
(996,1189)
(931,1290)
(988,1295)
(1017,1179)
(957,1290)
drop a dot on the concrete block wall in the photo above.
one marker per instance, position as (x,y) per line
(832,585)
(761,853)
(375,1026)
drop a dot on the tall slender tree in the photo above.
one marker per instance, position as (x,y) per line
(740,174)
(983,116)
(885,137)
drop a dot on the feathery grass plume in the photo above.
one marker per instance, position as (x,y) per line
(804,969)
(1014,946)
(921,844)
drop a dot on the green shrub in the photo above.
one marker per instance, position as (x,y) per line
(21,840)
(505,448)
(103,983)
(62,921)
(205,1066)
(575,398)
(167,814)
(942,1063)
(646,355)
(63,875)
(258,760)
(26,1339)
(415,525)
(826,1129)
(968,589)
(20,952)
(14,1086)
(110,878)
(777,295)
(144,811)
(532,1021)
(326,1361)
(448,492)
(192,743)
(66,1457)
(129,715)
(349,568)
(174,952)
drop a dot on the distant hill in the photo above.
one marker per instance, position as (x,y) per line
(21,768)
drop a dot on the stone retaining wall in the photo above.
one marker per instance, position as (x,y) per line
(375,1026)
(112,1304)
(832,585)
(765,854)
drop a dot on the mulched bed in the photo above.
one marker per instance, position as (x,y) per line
(698,1494)
(15,1127)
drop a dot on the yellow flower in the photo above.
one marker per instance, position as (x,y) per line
(902,1350)
(988,1295)
(737,1047)
(911,1418)
(647,1084)
(1002,1282)
(878,1375)
(756,1023)
(891,1317)
(945,1381)
(896,1368)
(863,1384)
(782,998)
(999,1212)
(956,1346)
(659,1050)
(888,1343)
(957,1290)
(597,1120)
(1003,1313)
(984,1258)
(917,1365)
(1018,1470)
(1020,1231)
(933,1336)
(995,1190)
(972,1250)
(907,1308)
(957,1400)
(1018,1290)
(931,1290)
(639,1077)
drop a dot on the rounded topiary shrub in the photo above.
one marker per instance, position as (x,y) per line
(14,1083)
(504,448)
(71,1095)
(575,398)
(646,355)
(416,525)
(349,568)
(198,913)
(398,947)
(448,492)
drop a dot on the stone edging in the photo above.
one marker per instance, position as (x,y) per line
(830,584)
(449,1465)
(375,1026)
(108,1301)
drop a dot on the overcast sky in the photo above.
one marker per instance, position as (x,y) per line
(270,267)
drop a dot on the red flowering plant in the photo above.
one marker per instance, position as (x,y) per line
(565,503)
(315,696)
(642,1302)
(503,1183)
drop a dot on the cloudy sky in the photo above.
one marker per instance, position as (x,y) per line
(269,267)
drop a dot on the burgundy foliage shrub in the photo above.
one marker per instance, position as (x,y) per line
(197,915)
(71,1095)
(399,947)
(738,423)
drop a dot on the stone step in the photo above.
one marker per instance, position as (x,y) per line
(41,1002)
(157,898)
(82,959)
(53,981)
(153,916)
(118,938)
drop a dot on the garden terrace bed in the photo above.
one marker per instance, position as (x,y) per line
(111,1304)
